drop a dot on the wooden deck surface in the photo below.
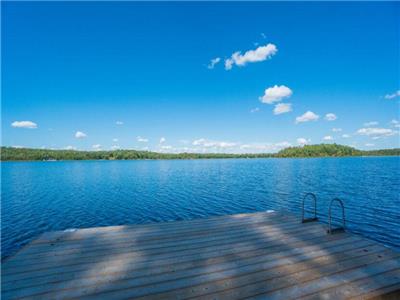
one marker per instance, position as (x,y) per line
(257,256)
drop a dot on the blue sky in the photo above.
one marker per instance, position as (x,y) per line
(132,75)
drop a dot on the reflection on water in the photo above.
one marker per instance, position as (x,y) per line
(43,196)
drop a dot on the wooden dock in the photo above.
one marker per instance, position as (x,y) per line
(257,256)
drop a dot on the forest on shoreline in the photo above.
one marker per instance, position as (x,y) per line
(321,150)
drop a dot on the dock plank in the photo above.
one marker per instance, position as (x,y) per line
(366,288)
(166,227)
(130,278)
(335,280)
(172,260)
(253,255)
(98,242)
(87,252)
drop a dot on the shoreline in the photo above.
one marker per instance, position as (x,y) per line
(201,158)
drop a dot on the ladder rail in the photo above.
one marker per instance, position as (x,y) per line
(339,229)
(315,218)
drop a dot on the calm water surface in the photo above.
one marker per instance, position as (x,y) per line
(42,196)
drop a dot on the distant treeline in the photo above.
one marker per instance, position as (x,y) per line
(334,150)
(321,150)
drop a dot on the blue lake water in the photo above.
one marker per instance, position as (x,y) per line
(43,196)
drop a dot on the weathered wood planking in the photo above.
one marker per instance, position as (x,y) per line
(246,256)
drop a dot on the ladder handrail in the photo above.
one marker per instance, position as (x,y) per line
(330,216)
(303,220)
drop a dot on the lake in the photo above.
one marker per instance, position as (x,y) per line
(43,196)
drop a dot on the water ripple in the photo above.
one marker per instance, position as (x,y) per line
(42,196)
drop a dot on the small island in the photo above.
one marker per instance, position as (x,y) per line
(320,150)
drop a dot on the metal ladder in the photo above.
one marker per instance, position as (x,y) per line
(338,229)
(315,218)
(330,230)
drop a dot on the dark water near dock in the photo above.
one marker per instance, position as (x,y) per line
(43,196)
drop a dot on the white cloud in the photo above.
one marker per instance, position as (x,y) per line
(264,147)
(372,123)
(282,108)
(283,145)
(162,140)
(119,123)
(328,138)
(330,117)
(375,132)
(213,62)
(141,139)
(260,54)
(17,147)
(392,96)
(306,117)
(166,147)
(198,142)
(346,136)
(24,124)
(395,123)
(369,145)
(210,146)
(276,94)
(303,141)
(80,135)
(263,35)
(115,140)
(254,110)
(336,129)
(96,147)
(213,144)
(70,148)
(115,147)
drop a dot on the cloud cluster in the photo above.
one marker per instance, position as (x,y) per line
(307,117)
(336,129)
(265,147)
(260,54)
(369,124)
(119,123)
(166,148)
(141,139)
(276,94)
(392,96)
(282,108)
(24,124)
(213,62)
(395,123)
(80,135)
(330,117)
(253,110)
(328,138)
(212,144)
(303,141)
(162,140)
(375,132)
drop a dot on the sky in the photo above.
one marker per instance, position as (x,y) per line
(200,77)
